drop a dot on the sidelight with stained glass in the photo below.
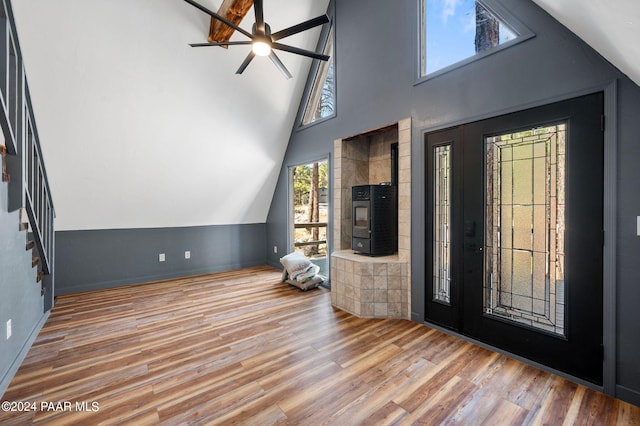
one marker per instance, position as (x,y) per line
(441,224)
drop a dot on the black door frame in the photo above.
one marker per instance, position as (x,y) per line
(443,314)
(610,89)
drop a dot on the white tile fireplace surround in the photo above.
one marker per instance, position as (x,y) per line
(366,286)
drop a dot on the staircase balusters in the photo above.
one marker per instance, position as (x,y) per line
(38,201)
(21,139)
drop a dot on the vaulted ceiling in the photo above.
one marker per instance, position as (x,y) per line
(140,130)
(611,27)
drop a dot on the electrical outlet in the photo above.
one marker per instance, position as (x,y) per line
(161,257)
(9,331)
(275,249)
(187,254)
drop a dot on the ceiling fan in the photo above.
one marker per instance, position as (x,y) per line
(263,42)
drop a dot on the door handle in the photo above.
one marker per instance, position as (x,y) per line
(473,247)
(469,228)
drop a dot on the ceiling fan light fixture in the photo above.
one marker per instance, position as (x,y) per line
(263,41)
(261,48)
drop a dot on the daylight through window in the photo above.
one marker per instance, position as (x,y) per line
(322,98)
(453,31)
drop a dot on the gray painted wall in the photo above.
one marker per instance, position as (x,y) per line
(376,83)
(96,259)
(20,299)
(628,265)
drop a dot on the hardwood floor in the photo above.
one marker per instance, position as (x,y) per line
(241,347)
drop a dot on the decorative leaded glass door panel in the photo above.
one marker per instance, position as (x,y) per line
(443,270)
(514,233)
(525,227)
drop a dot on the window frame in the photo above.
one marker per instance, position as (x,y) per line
(523,33)
(327,35)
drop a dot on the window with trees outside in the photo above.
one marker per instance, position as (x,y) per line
(310,215)
(456,32)
(321,101)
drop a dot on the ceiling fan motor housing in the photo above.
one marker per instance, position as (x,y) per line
(264,31)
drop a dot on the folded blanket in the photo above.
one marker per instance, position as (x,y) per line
(308,273)
(310,283)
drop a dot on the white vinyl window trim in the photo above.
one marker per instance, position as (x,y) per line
(519,33)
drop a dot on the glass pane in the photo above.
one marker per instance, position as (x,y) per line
(310,183)
(441,223)
(457,30)
(522,226)
(361,217)
(524,240)
(322,98)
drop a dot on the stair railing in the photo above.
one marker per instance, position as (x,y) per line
(38,200)
(22,140)
(9,84)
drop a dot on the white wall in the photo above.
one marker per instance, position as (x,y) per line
(140,130)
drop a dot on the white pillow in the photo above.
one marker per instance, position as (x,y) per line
(295,263)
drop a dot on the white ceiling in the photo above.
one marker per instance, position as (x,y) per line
(611,27)
(140,130)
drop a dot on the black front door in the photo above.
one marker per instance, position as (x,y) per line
(514,238)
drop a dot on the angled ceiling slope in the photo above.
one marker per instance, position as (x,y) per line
(611,28)
(141,130)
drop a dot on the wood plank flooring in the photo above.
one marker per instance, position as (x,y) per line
(241,347)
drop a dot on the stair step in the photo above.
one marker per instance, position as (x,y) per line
(30,245)
(39,278)
(5,175)
(24,220)
(34,261)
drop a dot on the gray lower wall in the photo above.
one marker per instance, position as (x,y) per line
(377,85)
(20,299)
(97,259)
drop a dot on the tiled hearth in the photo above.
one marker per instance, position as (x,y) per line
(377,287)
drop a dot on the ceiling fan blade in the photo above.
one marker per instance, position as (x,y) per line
(299,51)
(246,62)
(306,25)
(218,17)
(278,63)
(223,43)
(259,10)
